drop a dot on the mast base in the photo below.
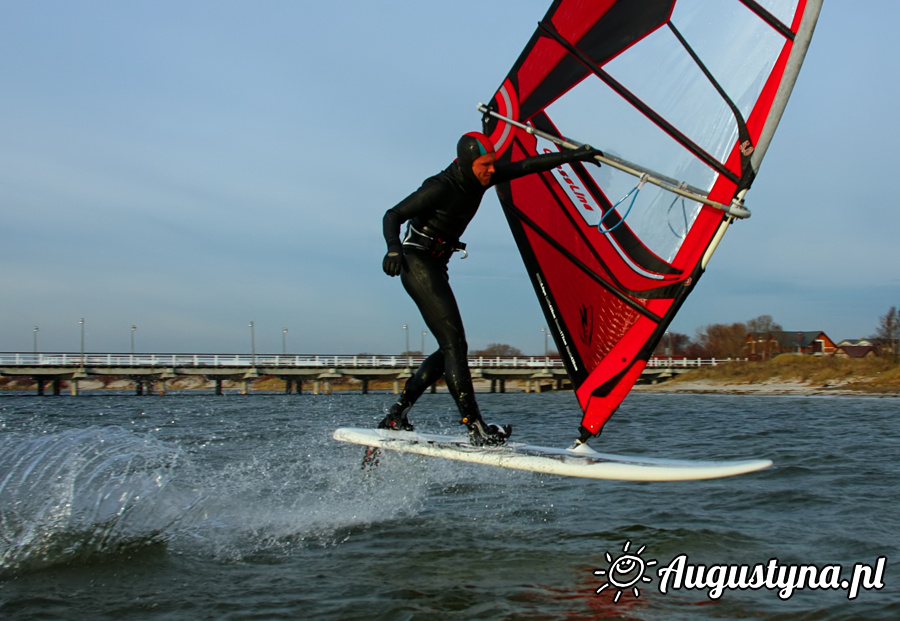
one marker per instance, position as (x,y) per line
(585,434)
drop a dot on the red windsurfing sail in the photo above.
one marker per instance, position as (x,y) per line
(682,97)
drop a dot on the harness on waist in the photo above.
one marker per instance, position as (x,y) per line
(431,244)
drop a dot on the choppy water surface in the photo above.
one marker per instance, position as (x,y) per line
(205,507)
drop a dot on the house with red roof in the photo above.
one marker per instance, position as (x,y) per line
(766,345)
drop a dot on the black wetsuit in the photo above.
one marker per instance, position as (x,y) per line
(438,214)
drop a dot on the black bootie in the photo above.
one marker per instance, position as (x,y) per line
(396,418)
(484,434)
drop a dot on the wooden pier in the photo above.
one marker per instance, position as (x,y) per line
(151,372)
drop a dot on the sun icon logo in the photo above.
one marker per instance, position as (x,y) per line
(625,572)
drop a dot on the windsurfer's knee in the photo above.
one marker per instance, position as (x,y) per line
(455,350)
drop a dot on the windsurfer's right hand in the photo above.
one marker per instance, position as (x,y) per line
(587,153)
(393,262)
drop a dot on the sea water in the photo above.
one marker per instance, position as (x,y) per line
(196,506)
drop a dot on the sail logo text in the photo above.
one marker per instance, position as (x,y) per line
(576,193)
(627,571)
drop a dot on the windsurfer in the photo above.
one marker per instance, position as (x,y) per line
(437,215)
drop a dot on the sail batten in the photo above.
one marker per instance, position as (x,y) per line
(689,89)
(770,19)
(576,263)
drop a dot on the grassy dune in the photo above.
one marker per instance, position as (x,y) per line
(870,375)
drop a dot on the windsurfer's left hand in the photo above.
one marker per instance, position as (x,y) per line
(393,261)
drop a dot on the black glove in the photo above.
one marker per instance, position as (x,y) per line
(586,153)
(393,261)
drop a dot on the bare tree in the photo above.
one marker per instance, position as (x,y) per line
(887,334)
(719,340)
(763,325)
(501,350)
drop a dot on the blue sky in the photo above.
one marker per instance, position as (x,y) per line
(189,167)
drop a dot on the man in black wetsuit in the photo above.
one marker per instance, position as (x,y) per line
(438,213)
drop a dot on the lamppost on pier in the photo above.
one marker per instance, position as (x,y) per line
(133,328)
(252,342)
(81,321)
(284,332)
(35,338)
(546,347)
(424,332)
(406,352)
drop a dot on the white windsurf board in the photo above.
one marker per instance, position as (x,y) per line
(582,462)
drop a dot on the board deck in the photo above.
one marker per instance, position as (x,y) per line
(583,462)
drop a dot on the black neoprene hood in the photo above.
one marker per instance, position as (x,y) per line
(469,148)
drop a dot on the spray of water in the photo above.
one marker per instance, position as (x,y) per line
(82,492)
(68,496)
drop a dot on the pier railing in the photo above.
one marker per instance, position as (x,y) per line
(199,361)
